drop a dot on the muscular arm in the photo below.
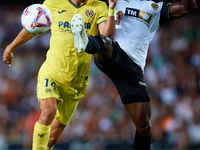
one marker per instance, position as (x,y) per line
(182,8)
(108,28)
(176,10)
(22,38)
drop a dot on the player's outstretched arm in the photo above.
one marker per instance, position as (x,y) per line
(108,28)
(22,38)
(179,9)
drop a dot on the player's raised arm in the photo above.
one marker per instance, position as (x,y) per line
(108,28)
(179,9)
(22,38)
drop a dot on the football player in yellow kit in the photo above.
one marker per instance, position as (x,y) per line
(63,77)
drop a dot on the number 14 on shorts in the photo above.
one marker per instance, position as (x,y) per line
(52,84)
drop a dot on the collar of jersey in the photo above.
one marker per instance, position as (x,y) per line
(75,4)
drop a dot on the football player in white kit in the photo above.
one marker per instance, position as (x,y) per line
(123,59)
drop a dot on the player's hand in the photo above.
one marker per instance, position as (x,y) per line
(8,57)
(119,17)
(112,3)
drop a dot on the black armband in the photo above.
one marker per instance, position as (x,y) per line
(165,15)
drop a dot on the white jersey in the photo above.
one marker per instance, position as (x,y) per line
(136,30)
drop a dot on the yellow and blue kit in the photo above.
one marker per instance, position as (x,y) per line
(65,72)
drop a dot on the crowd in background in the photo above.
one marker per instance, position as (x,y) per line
(172,75)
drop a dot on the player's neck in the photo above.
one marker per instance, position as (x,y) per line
(79,2)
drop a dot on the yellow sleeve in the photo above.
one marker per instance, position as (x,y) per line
(47,4)
(103,13)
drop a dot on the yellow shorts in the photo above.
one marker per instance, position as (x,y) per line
(67,97)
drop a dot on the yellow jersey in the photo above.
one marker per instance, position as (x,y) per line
(63,63)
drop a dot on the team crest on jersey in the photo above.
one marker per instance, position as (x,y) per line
(47,90)
(154,6)
(89,13)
